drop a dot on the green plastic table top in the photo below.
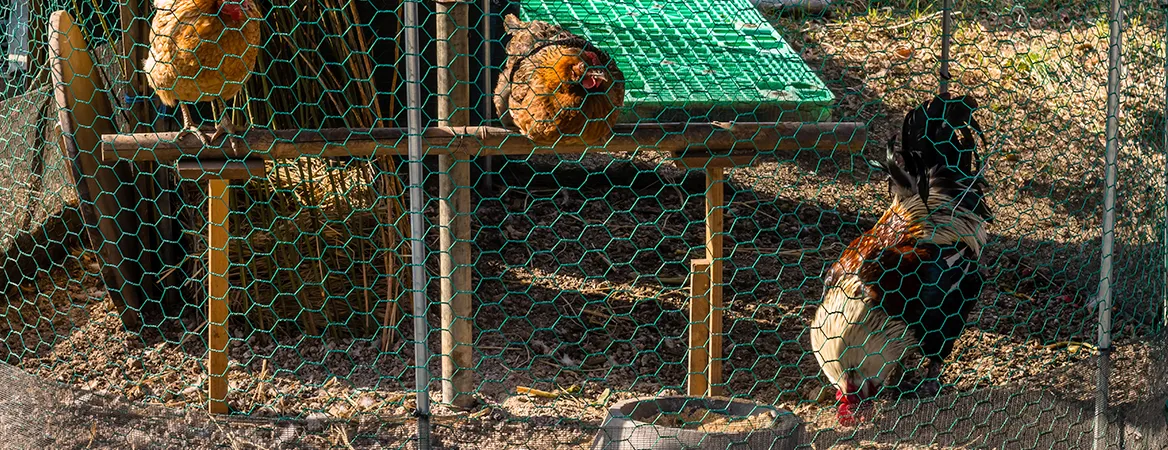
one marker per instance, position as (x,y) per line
(695,56)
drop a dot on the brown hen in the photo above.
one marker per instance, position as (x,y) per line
(555,83)
(201,51)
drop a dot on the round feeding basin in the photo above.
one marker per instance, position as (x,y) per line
(680,422)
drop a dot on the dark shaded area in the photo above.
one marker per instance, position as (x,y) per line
(30,252)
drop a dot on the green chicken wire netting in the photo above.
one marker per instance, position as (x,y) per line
(580,260)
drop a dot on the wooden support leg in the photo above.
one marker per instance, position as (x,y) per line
(698,382)
(217,175)
(715,180)
(455,259)
(218,205)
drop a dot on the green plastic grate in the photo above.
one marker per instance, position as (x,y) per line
(702,60)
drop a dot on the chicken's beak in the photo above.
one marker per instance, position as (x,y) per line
(593,79)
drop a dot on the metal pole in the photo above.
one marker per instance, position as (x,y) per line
(1106,289)
(1164,149)
(417,232)
(488,163)
(946,38)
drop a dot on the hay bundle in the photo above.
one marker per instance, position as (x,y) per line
(317,247)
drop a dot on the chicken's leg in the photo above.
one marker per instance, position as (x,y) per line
(189,126)
(931,385)
(918,382)
(225,126)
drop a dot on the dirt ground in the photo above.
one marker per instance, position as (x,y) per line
(580,288)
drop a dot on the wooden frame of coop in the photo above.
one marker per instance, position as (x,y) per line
(711,147)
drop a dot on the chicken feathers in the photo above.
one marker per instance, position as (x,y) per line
(555,83)
(907,285)
(201,51)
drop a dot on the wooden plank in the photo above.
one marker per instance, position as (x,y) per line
(697,381)
(454,207)
(715,181)
(699,161)
(218,206)
(222,170)
(784,138)
(487,79)
(160,232)
(84,113)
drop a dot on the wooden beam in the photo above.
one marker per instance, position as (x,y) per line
(218,207)
(84,113)
(487,78)
(707,160)
(715,181)
(454,206)
(681,138)
(698,381)
(223,170)
(452,58)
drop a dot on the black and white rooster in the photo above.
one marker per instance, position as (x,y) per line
(906,287)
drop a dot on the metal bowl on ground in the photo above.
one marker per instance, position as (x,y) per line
(699,423)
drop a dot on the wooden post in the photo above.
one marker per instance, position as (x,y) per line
(454,206)
(217,175)
(455,257)
(715,180)
(698,382)
(218,205)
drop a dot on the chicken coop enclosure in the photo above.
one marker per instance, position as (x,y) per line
(380,252)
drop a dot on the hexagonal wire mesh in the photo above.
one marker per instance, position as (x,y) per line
(563,269)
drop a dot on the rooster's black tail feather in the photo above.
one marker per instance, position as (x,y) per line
(939,152)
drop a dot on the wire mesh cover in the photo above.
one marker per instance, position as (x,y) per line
(580,264)
(35,413)
(695,56)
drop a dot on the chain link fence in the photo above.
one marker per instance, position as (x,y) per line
(402,268)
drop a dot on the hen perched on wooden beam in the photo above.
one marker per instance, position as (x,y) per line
(555,83)
(202,51)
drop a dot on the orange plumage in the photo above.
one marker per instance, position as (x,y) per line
(555,83)
(201,51)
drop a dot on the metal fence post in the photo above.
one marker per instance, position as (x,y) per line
(417,235)
(1106,289)
(1164,149)
(946,39)
(487,75)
